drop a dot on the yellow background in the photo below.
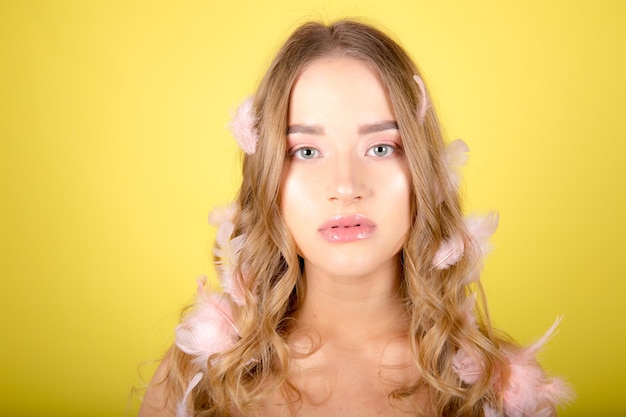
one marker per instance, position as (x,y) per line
(114,149)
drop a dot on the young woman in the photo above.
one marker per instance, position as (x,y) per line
(349,273)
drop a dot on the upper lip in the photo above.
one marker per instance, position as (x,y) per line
(347,221)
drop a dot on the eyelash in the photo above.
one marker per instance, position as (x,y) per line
(315,153)
(297,153)
(392,149)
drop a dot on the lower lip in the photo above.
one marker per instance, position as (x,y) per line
(347,234)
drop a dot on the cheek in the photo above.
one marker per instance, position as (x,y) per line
(296,197)
(297,210)
(401,201)
(287,188)
(397,188)
(288,193)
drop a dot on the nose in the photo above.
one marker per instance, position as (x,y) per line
(347,181)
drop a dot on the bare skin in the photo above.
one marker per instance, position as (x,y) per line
(357,365)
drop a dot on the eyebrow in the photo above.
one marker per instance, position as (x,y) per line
(305,129)
(362,130)
(378,127)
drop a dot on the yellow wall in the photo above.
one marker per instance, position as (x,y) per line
(113,149)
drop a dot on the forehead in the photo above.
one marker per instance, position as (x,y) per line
(339,84)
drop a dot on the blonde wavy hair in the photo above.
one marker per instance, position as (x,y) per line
(271,269)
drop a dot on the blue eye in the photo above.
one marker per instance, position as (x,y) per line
(306,153)
(381,150)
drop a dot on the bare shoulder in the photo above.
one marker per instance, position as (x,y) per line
(155,403)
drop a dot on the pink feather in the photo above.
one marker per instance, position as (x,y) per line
(227,251)
(467,366)
(528,390)
(181,408)
(490,412)
(523,392)
(243,128)
(208,329)
(220,215)
(467,309)
(544,412)
(201,284)
(424,103)
(558,392)
(481,228)
(450,252)
(454,158)
(533,349)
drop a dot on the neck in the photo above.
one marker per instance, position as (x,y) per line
(353,311)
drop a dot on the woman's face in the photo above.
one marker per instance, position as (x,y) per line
(346,184)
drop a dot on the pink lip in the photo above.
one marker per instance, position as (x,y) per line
(347,228)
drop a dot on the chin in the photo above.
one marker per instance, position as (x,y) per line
(355,268)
